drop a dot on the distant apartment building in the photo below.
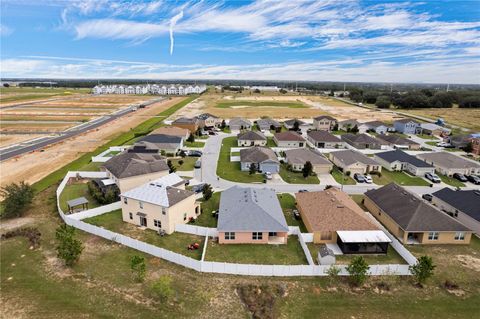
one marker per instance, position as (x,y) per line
(149,89)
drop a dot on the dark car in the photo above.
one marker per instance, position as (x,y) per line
(198,188)
(359,178)
(460,177)
(195,153)
(303,191)
(427,197)
(474,179)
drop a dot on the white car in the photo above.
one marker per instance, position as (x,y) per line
(268,175)
(368,179)
(443,144)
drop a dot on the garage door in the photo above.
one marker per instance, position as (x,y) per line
(321,169)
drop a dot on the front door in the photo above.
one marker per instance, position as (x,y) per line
(143,221)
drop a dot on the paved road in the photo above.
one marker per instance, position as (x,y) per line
(208,175)
(26,148)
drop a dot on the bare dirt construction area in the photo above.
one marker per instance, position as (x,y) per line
(9,139)
(278,106)
(36,165)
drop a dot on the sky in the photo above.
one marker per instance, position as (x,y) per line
(323,40)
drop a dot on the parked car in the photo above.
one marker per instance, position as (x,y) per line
(268,175)
(359,178)
(460,177)
(433,178)
(195,153)
(443,144)
(198,188)
(302,191)
(296,214)
(368,179)
(474,179)
(427,197)
(212,133)
(198,164)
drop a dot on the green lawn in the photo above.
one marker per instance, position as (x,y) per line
(287,201)
(358,198)
(270,142)
(450,180)
(296,177)
(72,191)
(342,179)
(231,170)
(206,218)
(289,254)
(176,242)
(188,163)
(392,257)
(432,143)
(339,132)
(92,166)
(235,153)
(291,105)
(427,137)
(400,178)
(194,144)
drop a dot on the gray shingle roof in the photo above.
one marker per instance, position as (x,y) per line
(447,160)
(251,136)
(162,141)
(349,157)
(302,155)
(410,212)
(407,120)
(360,138)
(265,124)
(249,210)
(396,139)
(321,117)
(401,156)
(185,120)
(375,124)
(323,136)
(133,164)
(467,202)
(257,154)
(292,122)
(288,136)
(237,121)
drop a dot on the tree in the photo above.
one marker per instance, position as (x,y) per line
(307,169)
(138,267)
(172,169)
(333,272)
(191,138)
(180,162)
(335,127)
(354,129)
(223,125)
(296,126)
(68,248)
(207,191)
(358,269)
(370,97)
(252,169)
(283,91)
(17,197)
(383,102)
(256,91)
(162,288)
(468,148)
(6,85)
(423,269)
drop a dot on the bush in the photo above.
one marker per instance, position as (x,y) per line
(138,267)
(358,269)
(333,272)
(68,248)
(180,162)
(423,269)
(17,197)
(162,288)
(31,233)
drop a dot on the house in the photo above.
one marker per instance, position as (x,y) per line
(191,124)
(347,125)
(268,124)
(289,139)
(263,158)
(172,131)
(324,122)
(448,164)
(396,141)
(462,205)
(129,170)
(167,143)
(334,218)
(160,204)
(363,141)
(400,161)
(476,145)
(411,219)
(251,216)
(251,138)
(433,129)
(460,141)
(354,162)
(377,126)
(238,124)
(299,156)
(406,126)
(208,120)
(324,139)
(290,124)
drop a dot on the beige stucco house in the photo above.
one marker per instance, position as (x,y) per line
(324,122)
(354,162)
(251,138)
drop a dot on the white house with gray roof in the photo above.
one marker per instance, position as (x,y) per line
(251,138)
(448,164)
(263,158)
(400,161)
(160,204)
(251,216)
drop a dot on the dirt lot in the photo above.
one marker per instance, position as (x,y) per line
(34,166)
(9,139)
(36,126)
(317,106)
(468,118)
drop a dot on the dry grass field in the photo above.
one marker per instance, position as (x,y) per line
(468,118)
(13,95)
(35,126)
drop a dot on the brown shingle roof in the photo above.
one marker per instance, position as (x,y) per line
(134,164)
(321,117)
(323,136)
(251,136)
(332,210)
(303,155)
(172,131)
(257,154)
(289,136)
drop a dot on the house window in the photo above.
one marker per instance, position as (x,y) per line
(125,200)
(130,215)
(433,235)
(157,223)
(185,216)
(460,236)
(229,236)
(257,235)
(326,235)
(141,204)
(272,234)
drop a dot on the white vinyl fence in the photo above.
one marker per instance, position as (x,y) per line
(208,266)
(101,158)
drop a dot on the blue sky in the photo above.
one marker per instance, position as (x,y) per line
(325,40)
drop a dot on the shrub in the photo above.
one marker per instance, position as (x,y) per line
(358,269)
(138,267)
(207,192)
(180,162)
(17,197)
(162,288)
(31,233)
(333,272)
(68,248)
(423,269)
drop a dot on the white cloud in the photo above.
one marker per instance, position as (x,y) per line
(5,30)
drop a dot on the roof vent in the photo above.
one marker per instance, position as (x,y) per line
(340,206)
